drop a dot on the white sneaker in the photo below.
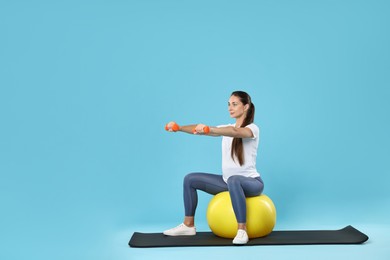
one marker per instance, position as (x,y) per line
(180,230)
(241,237)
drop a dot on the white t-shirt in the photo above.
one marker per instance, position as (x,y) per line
(231,167)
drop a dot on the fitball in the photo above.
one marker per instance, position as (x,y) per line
(260,214)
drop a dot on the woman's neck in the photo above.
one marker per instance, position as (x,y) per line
(239,121)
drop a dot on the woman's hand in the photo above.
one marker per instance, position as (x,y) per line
(172,127)
(201,129)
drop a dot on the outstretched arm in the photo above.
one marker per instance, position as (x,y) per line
(242,132)
(202,129)
(189,129)
(174,127)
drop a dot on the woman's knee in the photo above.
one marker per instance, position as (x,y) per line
(189,178)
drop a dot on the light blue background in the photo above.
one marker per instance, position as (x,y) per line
(87,86)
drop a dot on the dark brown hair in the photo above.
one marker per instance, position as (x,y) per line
(237,147)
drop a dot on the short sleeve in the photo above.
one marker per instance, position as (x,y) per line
(255,130)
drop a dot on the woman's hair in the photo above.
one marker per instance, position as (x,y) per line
(237,147)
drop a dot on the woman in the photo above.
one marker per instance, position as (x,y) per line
(239,174)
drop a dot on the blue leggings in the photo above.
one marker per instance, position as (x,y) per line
(238,186)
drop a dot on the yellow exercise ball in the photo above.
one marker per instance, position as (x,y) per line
(260,216)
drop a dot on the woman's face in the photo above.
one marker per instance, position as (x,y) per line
(236,107)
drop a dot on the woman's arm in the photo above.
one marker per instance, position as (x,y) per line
(231,131)
(242,132)
(189,129)
(174,127)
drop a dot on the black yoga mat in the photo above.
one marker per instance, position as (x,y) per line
(347,235)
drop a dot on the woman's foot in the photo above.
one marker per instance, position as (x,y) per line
(241,237)
(180,230)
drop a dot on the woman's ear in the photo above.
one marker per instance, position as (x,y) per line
(246,107)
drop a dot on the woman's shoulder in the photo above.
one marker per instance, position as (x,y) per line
(253,125)
(255,129)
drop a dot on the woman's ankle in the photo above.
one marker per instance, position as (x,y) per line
(189,221)
(242,226)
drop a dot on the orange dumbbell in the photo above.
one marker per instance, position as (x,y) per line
(175,127)
(206,130)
